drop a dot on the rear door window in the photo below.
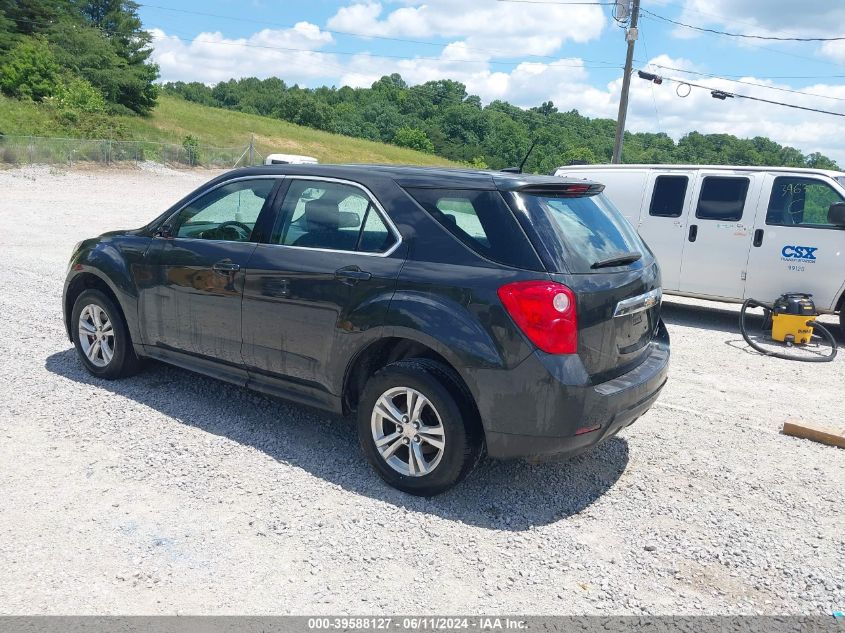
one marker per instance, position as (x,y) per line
(667,200)
(331,215)
(800,202)
(722,198)
(482,221)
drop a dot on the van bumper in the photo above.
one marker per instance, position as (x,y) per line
(547,407)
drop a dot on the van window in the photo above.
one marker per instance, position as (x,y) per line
(722,198)
(667,201)
(800,202)
(481,220)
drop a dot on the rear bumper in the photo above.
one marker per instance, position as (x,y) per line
(547,406)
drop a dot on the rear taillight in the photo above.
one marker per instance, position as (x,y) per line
(545,312)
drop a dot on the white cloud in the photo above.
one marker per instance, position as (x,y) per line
(498,27)
(782,18)
(211,57)
(699,111)
(292,54)
(835,51)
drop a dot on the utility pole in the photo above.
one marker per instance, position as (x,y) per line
(631,37)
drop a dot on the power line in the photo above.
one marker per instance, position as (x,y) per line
(292,49)
(561,2)
(379,55)
(653,98)
(721,94)
(746,83)
(743,35)
(353,33)
(599,63)
(771,49)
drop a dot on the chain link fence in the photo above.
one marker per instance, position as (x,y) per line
(23,150)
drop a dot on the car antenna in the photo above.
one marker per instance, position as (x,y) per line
(518,170)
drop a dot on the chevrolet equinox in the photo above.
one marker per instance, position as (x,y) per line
(455,311)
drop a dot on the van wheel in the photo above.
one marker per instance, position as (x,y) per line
(417,427)
(101,337)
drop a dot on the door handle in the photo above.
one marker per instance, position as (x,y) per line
(693,232)
(225,266)
(758,237)
(352,274)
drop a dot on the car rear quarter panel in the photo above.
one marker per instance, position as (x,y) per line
(446,298)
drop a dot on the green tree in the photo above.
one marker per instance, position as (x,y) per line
(413,138)
(819,161)
(87,52)
(78,94)
(31,71)
(191,145)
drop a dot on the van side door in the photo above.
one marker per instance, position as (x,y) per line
(719,233)
(795,248)
(663,219)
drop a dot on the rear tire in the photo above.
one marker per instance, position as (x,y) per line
(101,337)
(421,416)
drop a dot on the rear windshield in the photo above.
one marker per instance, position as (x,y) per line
(481,220)
(582,232)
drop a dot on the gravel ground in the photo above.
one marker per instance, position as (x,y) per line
(174,493)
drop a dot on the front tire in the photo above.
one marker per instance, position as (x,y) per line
(101,337)
(418,428)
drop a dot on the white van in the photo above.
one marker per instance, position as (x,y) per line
(289,159)
(730,233)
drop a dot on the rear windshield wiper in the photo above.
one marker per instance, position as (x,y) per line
(617,260)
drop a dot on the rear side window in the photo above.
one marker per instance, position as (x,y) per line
(482,221)
(667,200)
(800,202)
(722,198)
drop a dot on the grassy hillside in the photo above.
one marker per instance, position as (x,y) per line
(174,118)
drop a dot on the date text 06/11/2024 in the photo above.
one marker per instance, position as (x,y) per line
(427,623)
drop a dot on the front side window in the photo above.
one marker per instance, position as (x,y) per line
(800,202)
(330,215)
(227,213)
(722,198)
(667,200)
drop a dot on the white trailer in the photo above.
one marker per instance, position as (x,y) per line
(728,233)
(289,159)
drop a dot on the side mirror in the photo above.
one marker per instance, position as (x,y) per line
(165,230)
(836,214)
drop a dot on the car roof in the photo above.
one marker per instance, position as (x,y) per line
(663,167)
(408,176)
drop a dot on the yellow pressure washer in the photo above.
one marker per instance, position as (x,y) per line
(793,322)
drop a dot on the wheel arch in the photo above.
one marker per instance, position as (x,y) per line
(381,353)
(81,282)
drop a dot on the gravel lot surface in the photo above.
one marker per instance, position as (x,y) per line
(174,493)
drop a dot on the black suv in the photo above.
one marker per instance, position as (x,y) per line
(456,311)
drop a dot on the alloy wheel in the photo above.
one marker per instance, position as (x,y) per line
(408,431)
(96,335)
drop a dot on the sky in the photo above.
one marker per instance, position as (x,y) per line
(527,52)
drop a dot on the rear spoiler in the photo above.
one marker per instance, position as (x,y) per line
(562,190)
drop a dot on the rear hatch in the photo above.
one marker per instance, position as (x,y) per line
(586,244)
